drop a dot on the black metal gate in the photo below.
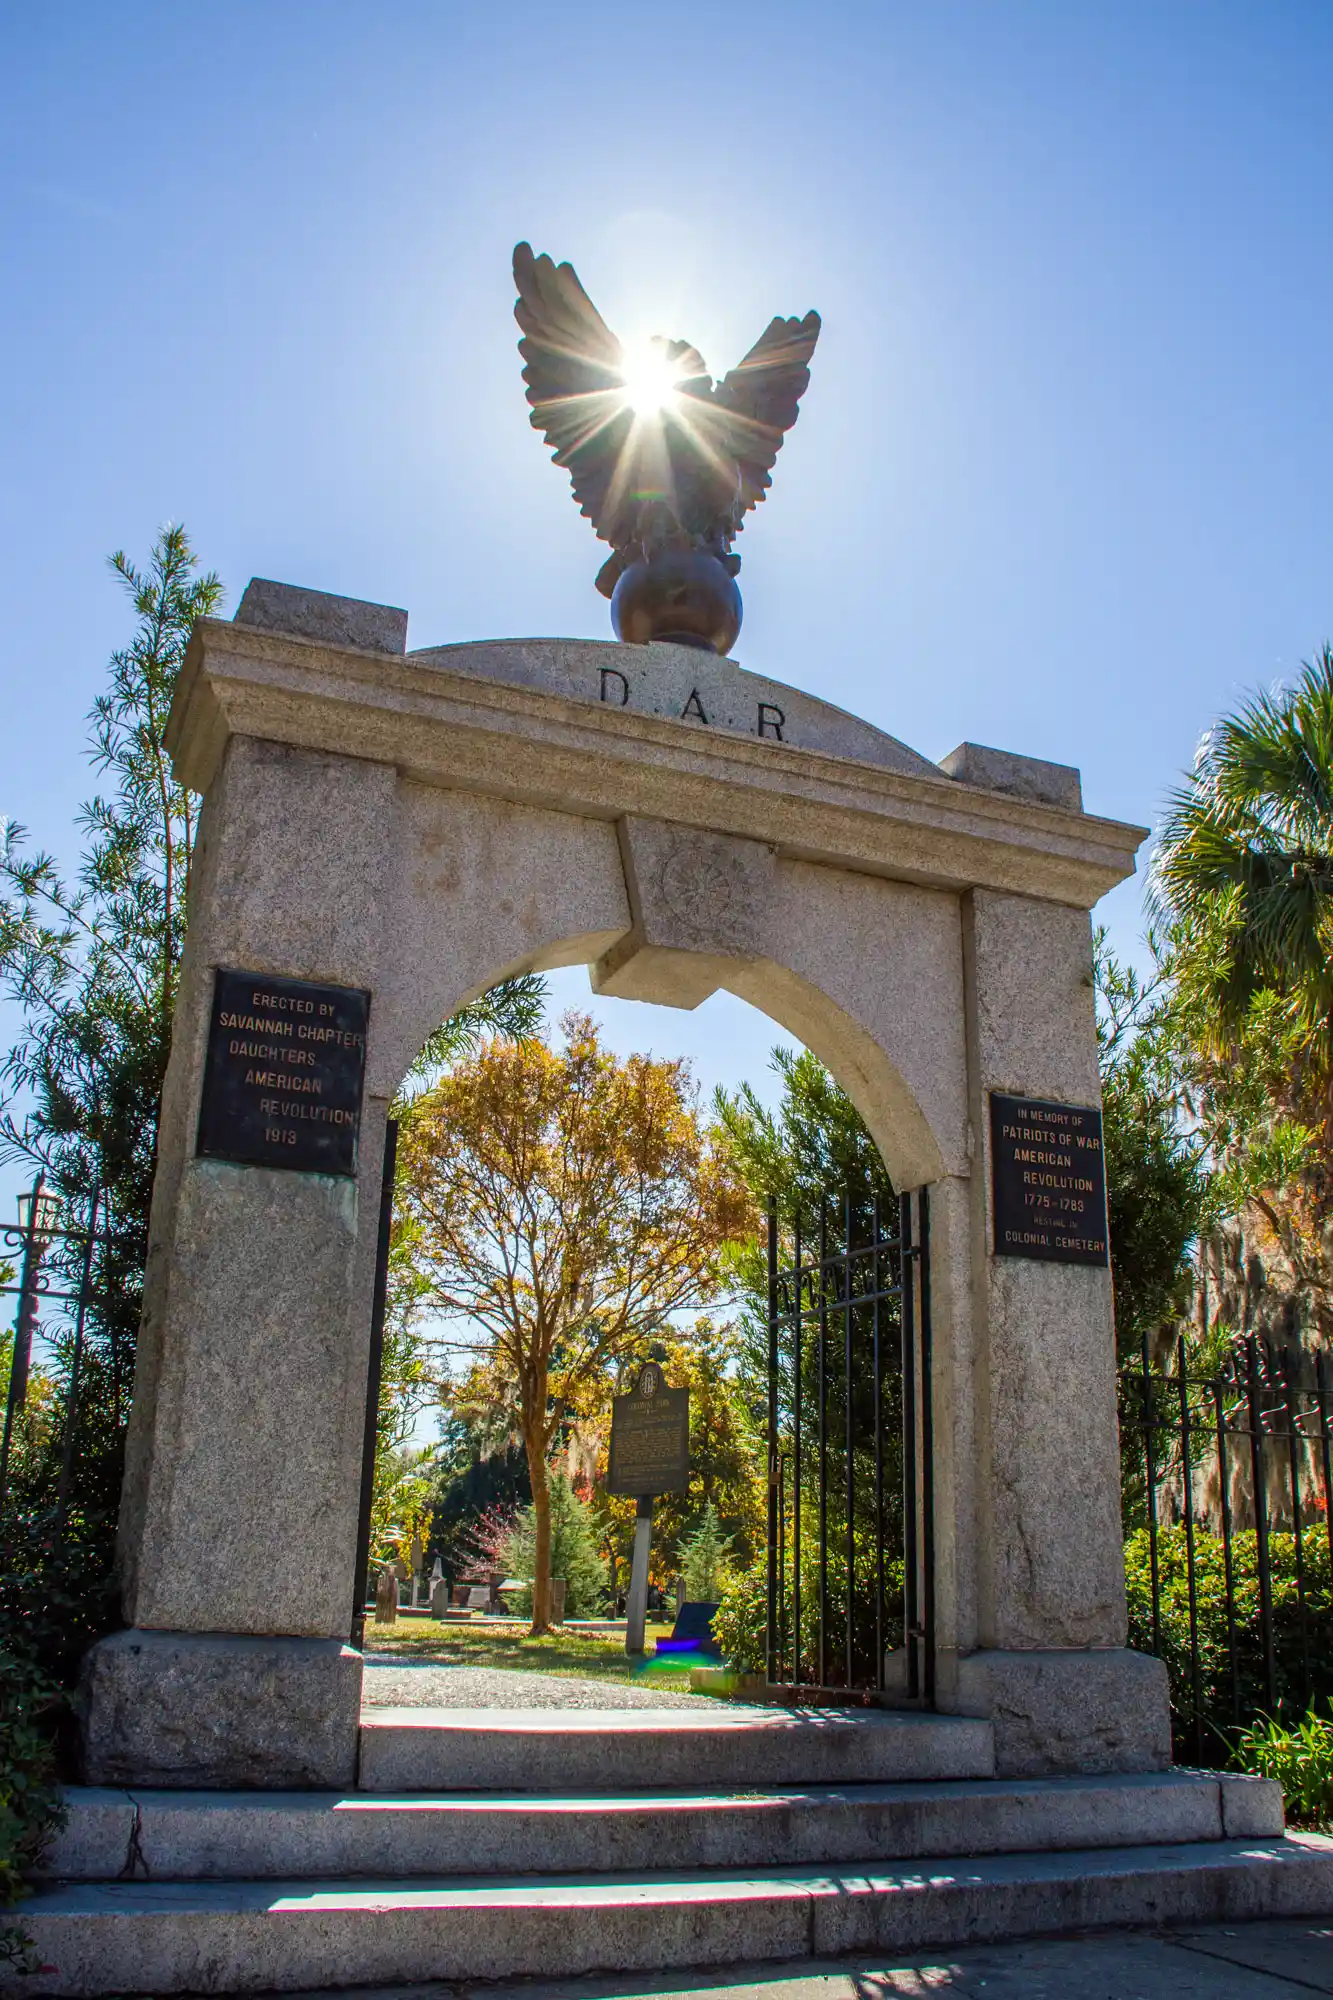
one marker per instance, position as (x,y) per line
(850,1494)
(374,1374)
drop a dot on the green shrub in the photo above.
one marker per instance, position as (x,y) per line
(574,1552)
(30,1800)
(741,1619)
(57,1586)
(703,1559)
(1299,1758)
(57,1596)
(1209,1728)
(740,1623)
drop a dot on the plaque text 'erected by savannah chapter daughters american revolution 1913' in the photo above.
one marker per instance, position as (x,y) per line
(1049,1177)
(282,1083)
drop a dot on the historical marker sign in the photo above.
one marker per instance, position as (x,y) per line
(282,1082)
(1049,1179)
(650,1437)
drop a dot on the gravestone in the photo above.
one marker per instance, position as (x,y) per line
(386,1597)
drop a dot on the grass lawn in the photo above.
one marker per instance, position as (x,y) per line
(601,1656)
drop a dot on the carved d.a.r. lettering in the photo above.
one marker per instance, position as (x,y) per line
(613,687)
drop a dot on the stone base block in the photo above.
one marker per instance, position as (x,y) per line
(209,1710)
(1105,1710)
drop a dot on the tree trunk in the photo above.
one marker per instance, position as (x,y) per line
(541,1516)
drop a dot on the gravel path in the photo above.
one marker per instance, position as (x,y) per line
(394,1683)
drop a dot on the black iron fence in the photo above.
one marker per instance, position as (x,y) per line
(1227,1472)
(850,1555)
(49,1268)
(1228,1533)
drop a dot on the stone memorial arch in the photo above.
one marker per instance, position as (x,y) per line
(386,834)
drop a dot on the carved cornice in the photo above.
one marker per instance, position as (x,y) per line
(446,728)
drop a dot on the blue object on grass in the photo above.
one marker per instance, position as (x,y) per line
(692,1632)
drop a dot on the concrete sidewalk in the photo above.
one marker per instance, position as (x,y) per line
(1264,1961)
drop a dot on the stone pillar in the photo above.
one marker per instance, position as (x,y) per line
(1051,1667)
(238,1524)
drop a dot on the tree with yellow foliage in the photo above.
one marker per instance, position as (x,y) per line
(564,1204)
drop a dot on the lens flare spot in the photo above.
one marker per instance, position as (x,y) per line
(650,380)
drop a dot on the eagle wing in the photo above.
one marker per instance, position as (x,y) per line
(757,402)
(573,369)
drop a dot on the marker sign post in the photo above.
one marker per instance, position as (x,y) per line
(650,1454)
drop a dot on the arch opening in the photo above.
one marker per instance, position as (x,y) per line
(842,1510)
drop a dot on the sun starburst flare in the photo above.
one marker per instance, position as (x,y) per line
(651,380)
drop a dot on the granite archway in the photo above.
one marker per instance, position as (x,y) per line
(414,827)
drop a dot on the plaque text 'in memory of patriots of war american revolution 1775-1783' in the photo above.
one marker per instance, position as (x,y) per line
(283,1077)
(1049,1177)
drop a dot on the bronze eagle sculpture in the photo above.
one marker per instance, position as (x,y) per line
(665,462)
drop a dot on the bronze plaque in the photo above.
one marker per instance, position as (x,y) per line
(650,1437)
(282,1081)
(1048,1174)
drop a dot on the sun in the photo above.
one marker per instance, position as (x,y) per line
(650,380)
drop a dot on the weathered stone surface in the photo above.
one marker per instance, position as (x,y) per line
(1019,777)
(1251,1806)
(450,728)
(249,1420)
(840,959)
(698,900)
(1050,1561)
(178,1937)
(258,1283)
(1024,1895)
(182,1836)
(295,852)
(1069,1711)
(476,888)
(548,889)
(180,1709)
(315,614)
(565,1750)
(98,1837)
(679,683)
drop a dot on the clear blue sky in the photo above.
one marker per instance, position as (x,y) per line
(1060,483)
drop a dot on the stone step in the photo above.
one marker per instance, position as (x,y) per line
(615,1749)
(202,1836)
(248,1937)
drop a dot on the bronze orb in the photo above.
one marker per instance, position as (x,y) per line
(685,596)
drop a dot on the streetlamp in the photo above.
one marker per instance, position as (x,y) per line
(39,1213)
(39,1218)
